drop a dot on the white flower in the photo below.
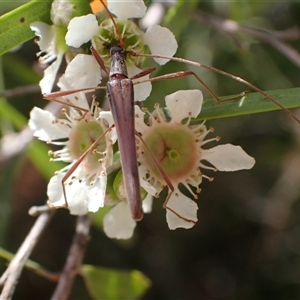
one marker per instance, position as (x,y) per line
(177,147)
(118,222)
(160,40)
(85,185)
(52,53)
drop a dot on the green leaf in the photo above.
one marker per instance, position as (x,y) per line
(8,112)
(20,70)
(250,104)
(108,284)
(31,265)
(14,26)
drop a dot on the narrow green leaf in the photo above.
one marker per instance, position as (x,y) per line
(250,104)
(14,26)
(108,284)
(8,112)
(31,265)
(20,70)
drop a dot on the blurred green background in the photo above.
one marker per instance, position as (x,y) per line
(246,244)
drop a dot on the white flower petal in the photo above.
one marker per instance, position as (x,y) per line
(127,9)
(55,191)
(81,30)
(149,188)
(48,80)
(113,135)
(78,204)
(64,84)
(78,99)
(147,204)
(76,194)
(108,117)
(142,90)
(44,127)
(160,41)
(183,104)
(228,158)
(83,72)
(45,32)
(154,15)
(140,125)
(138,112)
(185,208)
(118,222)
(96,194)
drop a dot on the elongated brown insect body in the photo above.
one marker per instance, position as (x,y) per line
(121,101)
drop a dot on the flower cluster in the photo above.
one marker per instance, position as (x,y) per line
(170,150)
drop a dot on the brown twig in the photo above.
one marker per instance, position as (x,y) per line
(21,91)
(74,259)
(12,274)
(274,38)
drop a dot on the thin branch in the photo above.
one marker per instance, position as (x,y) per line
(21,91)
(30,265)
(74,260)
(11,276)
(35,211)
(272,37)
(14,143)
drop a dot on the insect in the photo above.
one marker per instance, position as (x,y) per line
(120,94)
(121,100)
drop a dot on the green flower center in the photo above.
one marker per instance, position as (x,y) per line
(82,136)
(175,148)
(116,187)
(108,37)
(173,155)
